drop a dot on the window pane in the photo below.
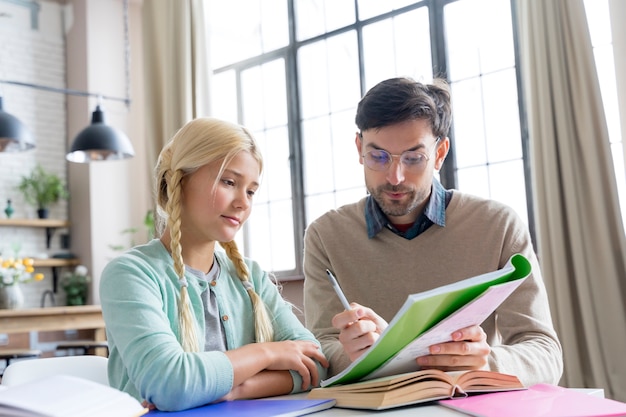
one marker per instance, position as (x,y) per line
(274,24)
(235,35)
(474,180)
(469,129)
(316,17)
(371,8)
(224,96)
(478,42)
(313,77)
(326,72)
(270,228)
(502,126)
(264,98)
(343,63)
(318,156)
(277,172)
(347,170)
(508,185)
(398,46)
(264,95)
(503,182)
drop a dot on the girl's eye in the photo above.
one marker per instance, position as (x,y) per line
(251,193)
(230,183)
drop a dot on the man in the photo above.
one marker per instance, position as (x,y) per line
(410,235)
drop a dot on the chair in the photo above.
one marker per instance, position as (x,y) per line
(89,367)
(8,355)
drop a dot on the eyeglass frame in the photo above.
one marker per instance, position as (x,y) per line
(392,156)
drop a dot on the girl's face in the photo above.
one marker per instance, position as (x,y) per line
(213,212)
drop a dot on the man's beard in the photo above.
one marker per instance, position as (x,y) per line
(396,208)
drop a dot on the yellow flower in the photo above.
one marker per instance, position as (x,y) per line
(14,271)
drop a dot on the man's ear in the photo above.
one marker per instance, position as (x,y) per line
(442,152)
(358,141)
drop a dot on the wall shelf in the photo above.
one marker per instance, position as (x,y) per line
(50,225)
(54,262)
(53,223)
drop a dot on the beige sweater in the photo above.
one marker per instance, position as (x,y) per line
(480,236)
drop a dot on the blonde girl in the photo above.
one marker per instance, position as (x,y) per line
(189,323)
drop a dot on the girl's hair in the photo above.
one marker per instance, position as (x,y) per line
(198,143)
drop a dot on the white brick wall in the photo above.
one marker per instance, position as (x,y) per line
(37,58)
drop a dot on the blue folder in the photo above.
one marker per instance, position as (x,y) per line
(253,408)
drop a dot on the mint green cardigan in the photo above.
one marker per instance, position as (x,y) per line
(139,292)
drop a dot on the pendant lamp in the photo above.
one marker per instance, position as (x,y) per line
(14,137)
(100,142)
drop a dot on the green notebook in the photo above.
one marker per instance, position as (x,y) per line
(430,317)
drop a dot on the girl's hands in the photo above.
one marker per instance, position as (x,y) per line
(297,355)
(257,363)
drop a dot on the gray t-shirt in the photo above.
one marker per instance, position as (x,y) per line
(215,337)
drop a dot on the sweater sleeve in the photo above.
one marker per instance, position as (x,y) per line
(286,325)
(524,342)
(321,303)
(146,359)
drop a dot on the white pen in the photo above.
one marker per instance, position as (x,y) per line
(337,288)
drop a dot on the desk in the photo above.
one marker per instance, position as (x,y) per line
(54,319)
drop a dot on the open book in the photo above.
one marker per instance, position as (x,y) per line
(431,317)
(415,387)
(67,396)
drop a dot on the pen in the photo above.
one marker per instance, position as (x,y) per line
(337,288)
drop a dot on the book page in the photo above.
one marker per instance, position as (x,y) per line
(67,396)
(473,313)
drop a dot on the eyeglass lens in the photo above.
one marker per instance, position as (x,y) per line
(380,160)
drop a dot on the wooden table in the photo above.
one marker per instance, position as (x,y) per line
(54,319)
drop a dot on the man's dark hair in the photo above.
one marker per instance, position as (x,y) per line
(401,99)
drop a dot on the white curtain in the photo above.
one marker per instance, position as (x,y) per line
(176,68)
(581,240)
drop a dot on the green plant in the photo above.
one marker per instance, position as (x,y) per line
(148,223)
(76,286)
(41,188)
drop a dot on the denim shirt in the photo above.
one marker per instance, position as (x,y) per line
(434,213)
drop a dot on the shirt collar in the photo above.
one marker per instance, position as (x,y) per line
(434,213)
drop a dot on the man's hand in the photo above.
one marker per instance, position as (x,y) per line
(358,329)
(467,350)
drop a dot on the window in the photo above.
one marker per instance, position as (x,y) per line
(294,71)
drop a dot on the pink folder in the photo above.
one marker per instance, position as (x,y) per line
(541,400)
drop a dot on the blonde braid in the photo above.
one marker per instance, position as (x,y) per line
(187,328)
(263,329)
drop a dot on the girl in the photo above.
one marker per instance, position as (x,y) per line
(189,324)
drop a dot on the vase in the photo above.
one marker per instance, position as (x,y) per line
(9,209)
(42,213)
(11,297)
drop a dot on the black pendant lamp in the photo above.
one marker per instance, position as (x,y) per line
(14,137)
(100,142)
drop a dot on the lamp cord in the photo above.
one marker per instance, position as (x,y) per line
(126,53)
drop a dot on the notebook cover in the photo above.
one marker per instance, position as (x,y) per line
(253,408)
(541,400)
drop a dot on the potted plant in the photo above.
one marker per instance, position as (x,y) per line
(76,286)
(41,189)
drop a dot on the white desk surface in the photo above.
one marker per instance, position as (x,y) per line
(431,410)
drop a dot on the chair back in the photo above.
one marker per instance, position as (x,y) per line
(89,367)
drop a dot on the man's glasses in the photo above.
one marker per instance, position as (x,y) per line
(412,161)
